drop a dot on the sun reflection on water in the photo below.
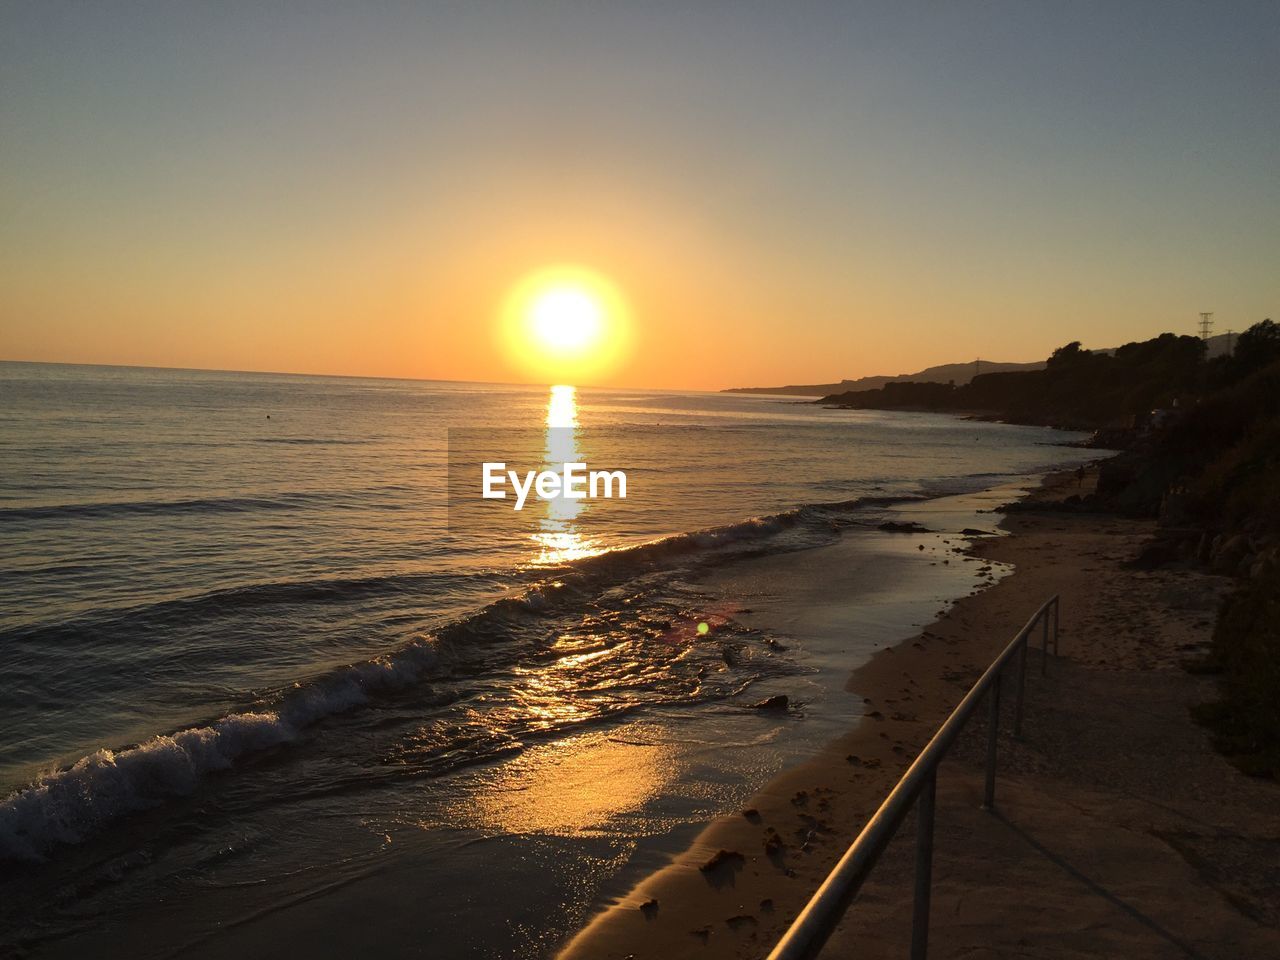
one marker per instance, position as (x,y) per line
(574,786)
(562,406)
(559,539)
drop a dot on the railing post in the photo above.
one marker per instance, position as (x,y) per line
(924,866)
(993,731)
(1044,644)
(1022,685)
(1057,602)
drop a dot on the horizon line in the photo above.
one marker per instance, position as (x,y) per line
(352,376)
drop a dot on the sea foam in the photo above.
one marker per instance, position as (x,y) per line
(68,805)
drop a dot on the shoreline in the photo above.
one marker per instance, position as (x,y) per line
(1125,852)
(663,786)
(733,891)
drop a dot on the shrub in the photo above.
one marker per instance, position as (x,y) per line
(1246,645)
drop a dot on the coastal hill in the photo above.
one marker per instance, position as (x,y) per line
(943,373)
(1199,432)
(1075,388)
(957,373)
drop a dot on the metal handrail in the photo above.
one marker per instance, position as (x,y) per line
(806,936)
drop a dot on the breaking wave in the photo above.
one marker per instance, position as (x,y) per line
(69,805)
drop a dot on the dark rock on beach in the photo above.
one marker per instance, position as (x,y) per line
(723,859)
(779,702)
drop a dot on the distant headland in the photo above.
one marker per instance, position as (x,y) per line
(951,373)
(943,373)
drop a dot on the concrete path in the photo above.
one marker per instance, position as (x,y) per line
(1117,833)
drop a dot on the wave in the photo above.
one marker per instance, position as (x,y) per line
(93,625)
(309,441)
(68,805)
(821,519)
(155,507)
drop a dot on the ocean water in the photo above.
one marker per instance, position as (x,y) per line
(257,627)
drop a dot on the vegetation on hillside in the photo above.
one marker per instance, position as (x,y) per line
(1200,443)
(1245,721)
(1077,388)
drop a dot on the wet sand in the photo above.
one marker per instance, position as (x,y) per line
(1154,847)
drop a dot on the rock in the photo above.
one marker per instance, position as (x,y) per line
(1230,553)
(649,908)
(778,702)
(723,858)
(894,526)
(1156,554)
(973,532)
(1203,549)
(1263,564)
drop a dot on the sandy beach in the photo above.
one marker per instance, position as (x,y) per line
(1114,839)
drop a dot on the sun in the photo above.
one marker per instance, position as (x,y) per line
(566,324)
(566,319)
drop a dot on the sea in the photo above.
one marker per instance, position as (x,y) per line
(268,659)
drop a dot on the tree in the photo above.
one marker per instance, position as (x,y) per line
(1257,347)
(1066,356)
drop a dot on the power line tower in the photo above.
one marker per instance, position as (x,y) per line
(977,367)
(1206,325)
(1231,341)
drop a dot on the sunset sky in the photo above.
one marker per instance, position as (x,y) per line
(782,193)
